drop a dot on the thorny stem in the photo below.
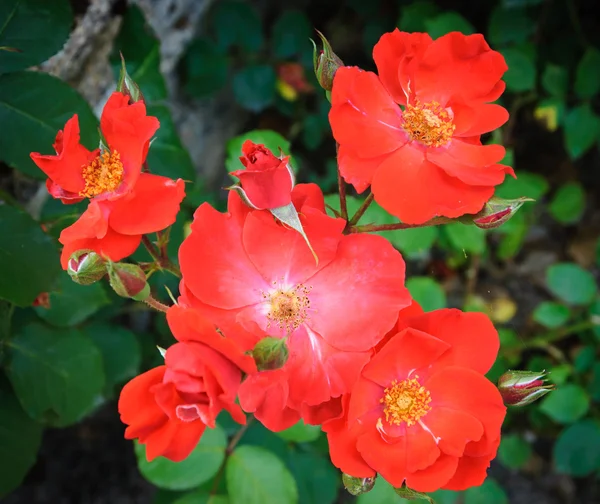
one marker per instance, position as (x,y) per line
(160,257)
(370,228)
(342,190)
(228,451)
(361,211)
(156,304)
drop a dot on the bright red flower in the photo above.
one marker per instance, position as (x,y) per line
(249,271)
(124,202)
(413,132)
(422,412)
(169,407)
(267,180)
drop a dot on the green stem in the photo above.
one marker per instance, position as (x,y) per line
(342,191)
(156,304)
(160,257)
(553,336)
(361,211)
(371,228)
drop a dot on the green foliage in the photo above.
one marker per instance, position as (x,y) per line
(31,31)
(382,493)
(521,74)
(254,87)
(28,258)
(257,476)
(555,80)
(414,15)
(571,283)
(465,238)
(271,139)
(290,34)
(57,375)
(35,114)
(205,67)
(587,78)
(202,497)
(200,466)
(446,23)
(488,493)
(568,203)
(551,314)
(567,404)
(237,23)
(300,433)
(514,451)
(317,480)
(509,26)
(427,292)
(577,450)
(581,127)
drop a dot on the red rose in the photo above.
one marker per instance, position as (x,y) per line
(422,412)
(124,202)
(169,407)
(267,180)
(247,271)
(413,132)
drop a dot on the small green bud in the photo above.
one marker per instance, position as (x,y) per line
(127,85)
(128,280)
(409,494)
(520,388)
(86,267)
(270,353)
(325,63)
(497,211)
(357,486)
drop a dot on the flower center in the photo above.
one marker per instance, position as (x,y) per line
(288,308)
(406,401)
(103,174)
(428,123)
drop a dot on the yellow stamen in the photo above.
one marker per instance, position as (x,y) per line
(103,174)
(407,401)
(288,308)
(428,123)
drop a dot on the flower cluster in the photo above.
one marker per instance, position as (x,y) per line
(289,313)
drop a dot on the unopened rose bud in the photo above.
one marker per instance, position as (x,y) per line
(325,63)
(497,211)
(357,486)
(270,353)
(86,267)
(128,280)
(127,85)
(519,388)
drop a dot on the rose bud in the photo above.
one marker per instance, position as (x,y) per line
(86,267)
(270,353)
(267,181)
(497,211)
(127,85)
(357,486)
(128,280)
(325,63)
(519,388)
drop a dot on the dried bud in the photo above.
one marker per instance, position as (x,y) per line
(497,211)
(86,267)
(127,85)
(357,486)
(519,388)
(325,63)
(128,280)
(270,353)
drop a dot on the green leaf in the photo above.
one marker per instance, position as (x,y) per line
(571,283)
(290,34)
(465,237)
(200,466)
(581,127)
(57,375)
(514,451)
(530,185)
(205,68)
(72,303)
(413,243)
(270,139)
(415,14)
(37,106)
(254,87)
(555,80)
(300,433)
(257,476)
(382,493)
(509,26)
(120,350)
(427,292)
(577,449)
(236,23)
(584,359)
(141,50)
(201,497)
(551,315)
(568,203)
(566,404)
(521,70)
(317,480)
(20,439)
(446,23)
(587,82)
(29,260)
(34,30)
(488,493)
(167,156)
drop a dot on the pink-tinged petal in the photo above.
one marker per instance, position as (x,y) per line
(452,429)
(356,298)
(393,55)
(472,338)
(473,120)
(432,192)
(127,130)
(363,115)
(406,352)
(433,477)
(57,192)
(355,170)
(65,168)
(281,254)
(318,371)
(152,205)
(214,264)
